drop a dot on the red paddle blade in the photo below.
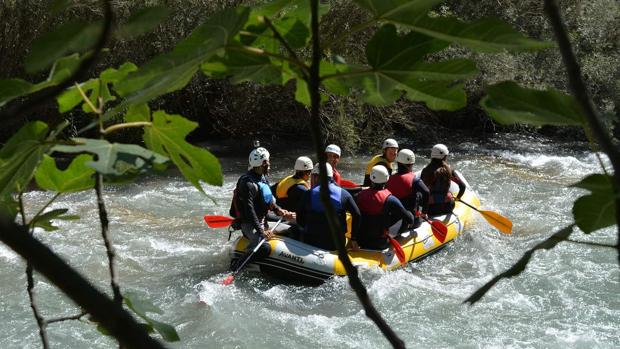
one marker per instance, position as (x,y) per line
(400,254)
(348,184)
(218,221)
(229,279)
(439,230)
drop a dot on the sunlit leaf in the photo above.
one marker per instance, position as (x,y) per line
(115,160)
(143,21)
(71,97)
(485,35)
(74,178)
(68,38)
(21,155)
(44,220)
(172,71)
(508,103)
(141,307)
(598,209)
(137,113)
(167,136)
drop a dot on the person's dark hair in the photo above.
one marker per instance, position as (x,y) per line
(404,168)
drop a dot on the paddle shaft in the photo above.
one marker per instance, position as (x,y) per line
(260,243)
(500,222)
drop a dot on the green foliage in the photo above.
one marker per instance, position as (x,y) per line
(21,155)
(172,71)
(143,22)
(167,136)
(77,177)
(44,220)
(396,66)
(118,162)
(94,88)
(9,206)
(485,35)
(68,38)
(141,307)
(61,70)
(508,103)
(598,209)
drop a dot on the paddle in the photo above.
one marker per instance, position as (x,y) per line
(231,277)
(218,221)
(348,184)
(500,222)
(398,249)
(440,231)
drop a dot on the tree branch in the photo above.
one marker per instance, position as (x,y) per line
(67,318)
(577,86)
(315,98)
(286,46)
(30,283)
(115,319)
(103,218)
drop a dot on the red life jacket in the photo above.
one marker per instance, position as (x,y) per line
(371,201)
(400,185)
(337,177)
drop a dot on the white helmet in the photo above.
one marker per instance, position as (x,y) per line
(332,148)
(379,174)
(257,156)
(303,163)
(405,156)
(330,171)
(390,143)
(439,151)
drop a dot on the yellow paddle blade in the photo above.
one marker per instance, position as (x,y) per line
(500,222)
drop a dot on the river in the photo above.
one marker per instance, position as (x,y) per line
(568,297)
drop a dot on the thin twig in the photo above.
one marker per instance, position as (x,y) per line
(118,127)
(115,319)
(260,52)
(288,48)
(67,318)
(597,244)
(87,100)
(354,281)
(30,282)
(577,86)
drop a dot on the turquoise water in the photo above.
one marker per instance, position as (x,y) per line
(567,297)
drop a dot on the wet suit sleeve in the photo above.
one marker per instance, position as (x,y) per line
(396,211)
(302,208)
(456,179)
(420,187)
(349,205)
(295,193)
(247,194)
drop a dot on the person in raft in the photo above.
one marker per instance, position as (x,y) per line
(311,214)
(385,159)
(333,152)
(380,210)
(252,200)
(437,176)
(407,187)
(289,190)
